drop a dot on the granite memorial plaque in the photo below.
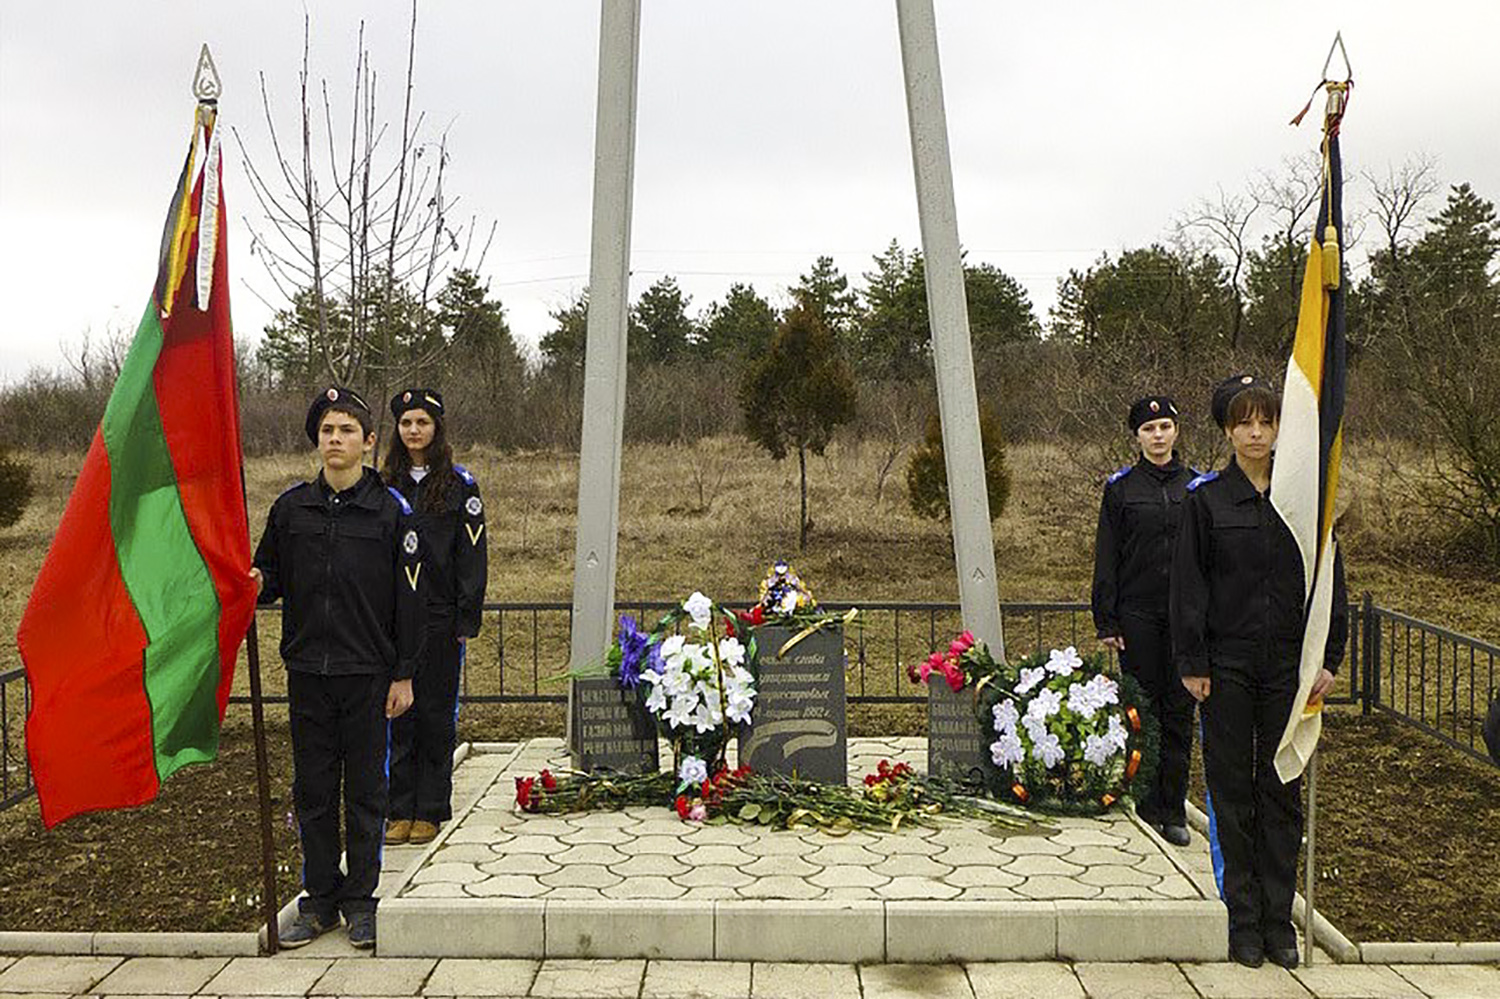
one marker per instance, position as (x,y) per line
(956,743)
(614,732)
(798,725)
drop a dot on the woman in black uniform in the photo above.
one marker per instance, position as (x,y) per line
(1138,521)
(450,520)
(1237,612)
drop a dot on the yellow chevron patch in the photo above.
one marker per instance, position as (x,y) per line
(412,575)
(473,534)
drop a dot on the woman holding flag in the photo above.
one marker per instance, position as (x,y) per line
(450,519)
(1237,606)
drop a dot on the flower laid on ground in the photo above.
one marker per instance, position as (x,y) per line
(782,592)
(692,770)
(892,796)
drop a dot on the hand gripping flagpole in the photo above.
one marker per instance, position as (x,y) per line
(207,87)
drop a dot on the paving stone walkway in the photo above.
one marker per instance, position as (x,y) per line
(297,974)
(648,853)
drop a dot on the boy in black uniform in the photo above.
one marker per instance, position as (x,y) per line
(1237,608)
(342,555)
(1138,520)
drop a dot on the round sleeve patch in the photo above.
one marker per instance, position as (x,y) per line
(474,506)
(409,543)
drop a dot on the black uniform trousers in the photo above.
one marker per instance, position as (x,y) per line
(422,740)
(1258,818)
(1148,658)
(339,737)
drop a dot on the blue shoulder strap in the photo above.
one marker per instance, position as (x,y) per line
(1120,473)
(465,474)
(405,506)
(1205,477)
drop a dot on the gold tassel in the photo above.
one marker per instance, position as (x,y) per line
(1330,258)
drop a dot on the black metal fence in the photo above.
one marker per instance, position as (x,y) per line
(15,766)
(1427,676)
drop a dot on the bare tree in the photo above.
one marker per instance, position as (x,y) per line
(357,235)
(1399,196)
(1225,223)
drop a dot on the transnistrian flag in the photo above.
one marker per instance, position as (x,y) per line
(135,621)
(1305,475)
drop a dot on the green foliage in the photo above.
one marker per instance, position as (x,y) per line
(660,330)
(797,394)
(741,327)
(824,291)
(478,336)
(927,471)
(894,338)
(15,488)
(563,347)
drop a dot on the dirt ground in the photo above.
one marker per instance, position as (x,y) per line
(1409,831)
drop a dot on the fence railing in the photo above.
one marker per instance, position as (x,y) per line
(1435,679)
(15,765)
(1430,677)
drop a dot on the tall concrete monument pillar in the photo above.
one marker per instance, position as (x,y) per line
(604,365)
(948,314)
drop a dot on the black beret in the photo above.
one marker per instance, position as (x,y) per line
(1492,729)
(322,402)
(1151,407)
(417,398)
(1225,392)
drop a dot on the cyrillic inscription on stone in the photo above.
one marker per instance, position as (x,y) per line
(798,725)
(956,745)
(613,732)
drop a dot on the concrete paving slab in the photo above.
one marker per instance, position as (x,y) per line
(1107,980)
(696,980)
(646,928)
(47,973)
(1126,930)
(254,976)
(1453,981)
(465,976)
(144,976)
(935,932)
(808,931)
(1032,979)
(914,981)
(1356,981)
(773,980)
(381,976)
(572,979)
(6,962)
(1234,981)
(434,927)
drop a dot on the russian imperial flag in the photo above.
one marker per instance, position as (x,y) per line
(133,626)
(1305,475)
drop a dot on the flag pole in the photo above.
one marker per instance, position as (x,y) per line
(207,88)
(1310,880)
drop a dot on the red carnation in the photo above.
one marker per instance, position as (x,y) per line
(523,793)
(729,627)
(682,806)
(549,782)
(967,637)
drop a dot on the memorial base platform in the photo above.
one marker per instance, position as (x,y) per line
(642,883)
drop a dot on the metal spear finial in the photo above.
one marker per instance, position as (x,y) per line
(206,85)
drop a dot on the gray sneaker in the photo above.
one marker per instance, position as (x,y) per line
(307,928)
(362,930)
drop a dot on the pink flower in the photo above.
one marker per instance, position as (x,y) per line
(954,675)
(967,637)
(697,813)
(957,648)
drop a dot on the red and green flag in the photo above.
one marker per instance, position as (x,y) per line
(135,621)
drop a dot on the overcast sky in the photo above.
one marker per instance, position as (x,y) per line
(768,132)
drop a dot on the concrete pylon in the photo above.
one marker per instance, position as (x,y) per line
(604,364)
(948,314)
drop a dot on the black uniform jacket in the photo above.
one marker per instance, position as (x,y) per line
(1237,582)
(1138,521)
(455,546)
(348,569)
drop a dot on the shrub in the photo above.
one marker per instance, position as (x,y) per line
(15,489)
(927,473)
